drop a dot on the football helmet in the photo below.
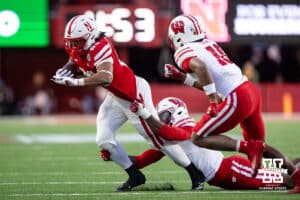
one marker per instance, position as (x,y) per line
(184,29)
(80,33)
(172,110)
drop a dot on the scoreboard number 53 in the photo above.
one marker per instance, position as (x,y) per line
(125,25)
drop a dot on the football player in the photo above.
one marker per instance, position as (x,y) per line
(208,68)
(233,172)
(95,55)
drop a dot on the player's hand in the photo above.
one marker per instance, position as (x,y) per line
(212,109)
(139,109)
(61,72)
(105,155)
(67,81)
(172,72)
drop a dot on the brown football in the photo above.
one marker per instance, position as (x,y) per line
(74,69)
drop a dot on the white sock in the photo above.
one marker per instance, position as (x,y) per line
(176,153)
(119,156)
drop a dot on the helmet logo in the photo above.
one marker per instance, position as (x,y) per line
(177,27)
(88,26)
(176,102)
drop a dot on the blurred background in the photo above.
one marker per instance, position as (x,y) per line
(262,37)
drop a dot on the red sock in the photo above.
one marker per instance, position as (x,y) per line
(296,177)
(243,148)
(148,157)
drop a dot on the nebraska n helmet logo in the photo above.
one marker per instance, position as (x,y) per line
(88,26)
(177,27)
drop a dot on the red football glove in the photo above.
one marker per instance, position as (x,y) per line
(105,155)
(212,109)
(172,72)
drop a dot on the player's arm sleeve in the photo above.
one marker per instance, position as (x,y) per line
(174,133)
(147,158)
(183,57)
(103,62)
(103,55)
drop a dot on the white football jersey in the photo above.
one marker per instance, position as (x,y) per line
(227,75)
(208,161)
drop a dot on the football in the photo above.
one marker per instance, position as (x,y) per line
(74,69)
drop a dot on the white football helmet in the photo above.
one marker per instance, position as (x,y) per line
(184,29)
(171,110)
(80,33)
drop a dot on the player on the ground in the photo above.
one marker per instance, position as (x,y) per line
(93,53)
(233,172)
(207,67)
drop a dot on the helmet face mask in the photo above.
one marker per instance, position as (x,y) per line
(80,34)
(184,29)
(166,117)
(76,45)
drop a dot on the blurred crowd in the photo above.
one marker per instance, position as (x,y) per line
(261,64)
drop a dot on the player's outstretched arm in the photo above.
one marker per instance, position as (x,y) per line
(159,128)
(207,83)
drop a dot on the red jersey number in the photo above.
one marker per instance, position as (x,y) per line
(219,54)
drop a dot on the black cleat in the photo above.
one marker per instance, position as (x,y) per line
(133,181)
(198,186)
(197,177)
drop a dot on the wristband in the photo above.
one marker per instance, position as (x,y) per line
(80,82)
(189,80)
(209,89)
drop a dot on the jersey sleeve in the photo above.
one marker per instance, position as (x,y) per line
(174,133)
(102,53)
(183,56)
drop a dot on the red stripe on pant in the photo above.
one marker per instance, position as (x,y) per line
(153,138)
(215,120)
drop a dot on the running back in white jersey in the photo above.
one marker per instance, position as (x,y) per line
(227,75)
(208,161)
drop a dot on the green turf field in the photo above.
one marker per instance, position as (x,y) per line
(35,170)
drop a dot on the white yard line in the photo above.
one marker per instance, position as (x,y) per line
(77,183)
(144,193)
(80,173)
(70,138)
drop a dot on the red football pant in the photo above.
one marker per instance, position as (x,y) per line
(235,173)
(242,106)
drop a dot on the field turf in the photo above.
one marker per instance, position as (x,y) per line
(41,170)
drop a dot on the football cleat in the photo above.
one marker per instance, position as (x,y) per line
(198,186)
(133,181)
(255,154)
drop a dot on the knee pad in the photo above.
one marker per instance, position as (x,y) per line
(107,146)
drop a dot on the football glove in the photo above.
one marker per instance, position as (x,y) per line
(64,73)
(67,81)
(212,109)
(105,155)
(172,72)
(139,109)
